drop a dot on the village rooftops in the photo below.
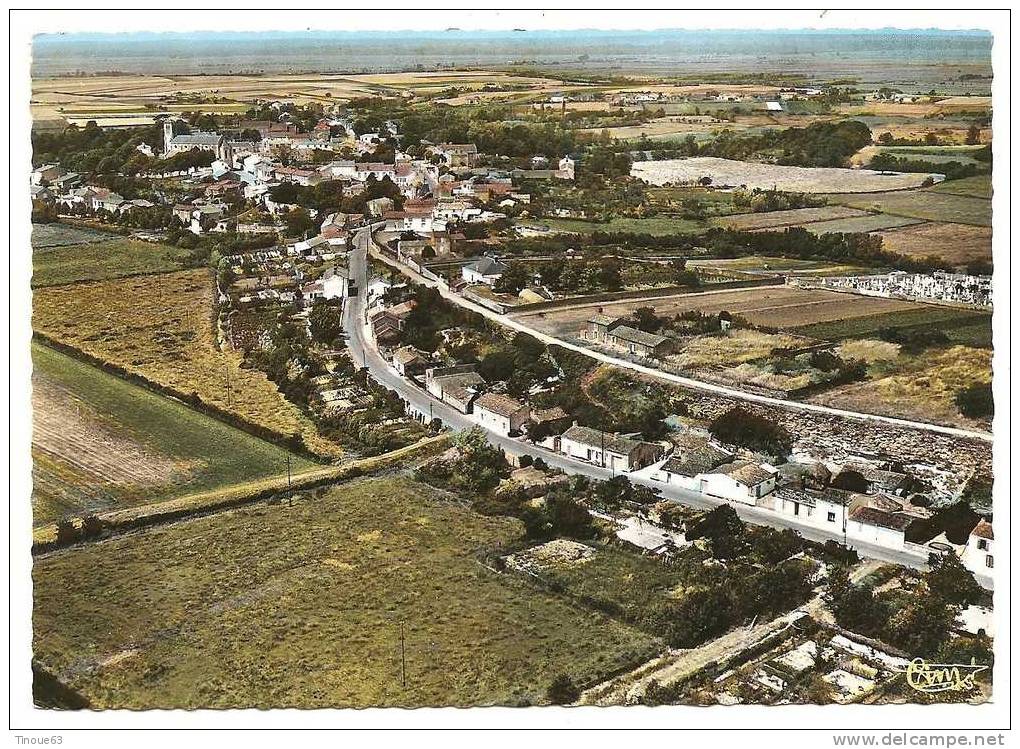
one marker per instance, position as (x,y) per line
(811,497)
(487,266)
(594,438)
(499,404)
(881,518)
(695,455)
(746,472)
(543,415)
(633,335)
(606,320)
(197,139)
(983,530)
(408,355)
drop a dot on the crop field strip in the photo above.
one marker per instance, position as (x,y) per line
(309,614)
(108,256)
(783,219)
(780,307)
(954,243)
(103,443)
(926,205)
(160,327)
(975,325)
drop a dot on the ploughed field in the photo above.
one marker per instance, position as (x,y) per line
(954,243)
(302,604)
(781,307)
(100,443)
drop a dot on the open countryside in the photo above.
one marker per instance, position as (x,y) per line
(479,369)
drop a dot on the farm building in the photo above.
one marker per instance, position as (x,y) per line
(608,450)
(638,342)
(409,361)
(457,386)
(501,413)
(486,271)
(877,526)
(824,508)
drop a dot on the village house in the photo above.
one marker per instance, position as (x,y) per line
(608,450)
(740,481)
(977,555)
(693,457)
(333,284)
(825,508)
(485,270)
(455,154)
(877,526)
(409,361)
(500,413)
(458,386)
(638,342)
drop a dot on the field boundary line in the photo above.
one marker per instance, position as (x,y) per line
(192,401)
(117,522)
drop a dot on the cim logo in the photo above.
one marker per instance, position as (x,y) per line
(942,677)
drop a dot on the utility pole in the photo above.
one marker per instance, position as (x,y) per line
(288,470)
(403,657)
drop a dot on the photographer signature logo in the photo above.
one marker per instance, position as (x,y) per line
(942,677)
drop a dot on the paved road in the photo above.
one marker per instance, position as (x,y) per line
(365,353)
(659,374)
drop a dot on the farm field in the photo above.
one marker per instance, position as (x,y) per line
(863,224)
(100,443)
(979,186)
(921,387)
(783,307)
(69,254)
(655,225)
(727,172)
(923,204)
(782,219)
(302,604)
(961,325)
(161,327)
(954,243)
(736,347)
(757,264)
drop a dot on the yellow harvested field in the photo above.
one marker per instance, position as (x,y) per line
(736,347)
(161,327)
(771,306)
(923,109)
(869,351)
(922,388)
(749,174)
(954,243)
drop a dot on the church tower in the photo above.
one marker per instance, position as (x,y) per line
(168,135)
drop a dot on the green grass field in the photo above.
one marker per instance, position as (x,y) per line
(102,443)
(978,187)
(97,256)
(927,205)
(861,224)
(659,226)
(301,605)
(972,328)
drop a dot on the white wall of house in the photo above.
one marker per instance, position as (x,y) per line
(874,534)
(978,556)
(494,421)
(725,487)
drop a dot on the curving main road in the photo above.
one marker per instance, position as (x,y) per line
(366,354)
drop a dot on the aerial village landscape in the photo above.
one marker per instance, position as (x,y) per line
(523,383)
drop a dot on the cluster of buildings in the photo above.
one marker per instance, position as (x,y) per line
(940,286)
(606,330)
